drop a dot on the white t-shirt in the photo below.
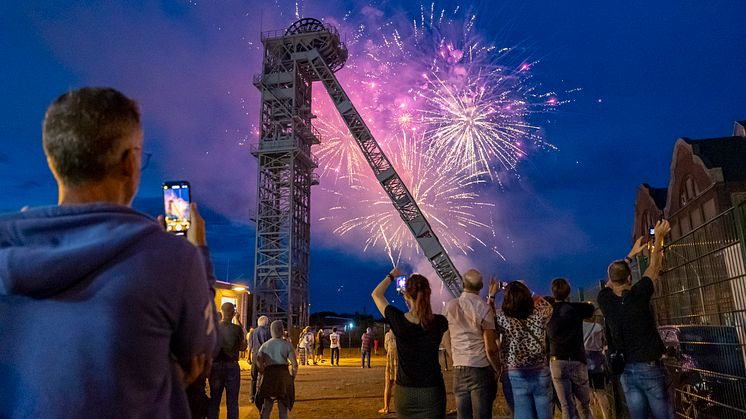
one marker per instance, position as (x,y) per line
(334,339)
(467,317)
(308,340)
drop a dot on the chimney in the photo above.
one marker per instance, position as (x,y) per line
(739,129)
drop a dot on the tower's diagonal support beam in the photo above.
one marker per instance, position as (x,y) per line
(395,188)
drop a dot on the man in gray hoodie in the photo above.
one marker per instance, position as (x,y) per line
(102,313)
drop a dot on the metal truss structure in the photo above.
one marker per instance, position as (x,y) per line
(310,51)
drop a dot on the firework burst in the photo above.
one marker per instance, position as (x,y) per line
(447,200)
(453,114)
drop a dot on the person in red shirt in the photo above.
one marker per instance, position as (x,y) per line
(366,340)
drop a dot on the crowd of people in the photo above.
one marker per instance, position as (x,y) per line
(95,275)
(542,350)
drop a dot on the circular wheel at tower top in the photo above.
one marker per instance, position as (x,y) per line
(326,40)
(305,25)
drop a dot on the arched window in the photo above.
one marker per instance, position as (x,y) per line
(688,190)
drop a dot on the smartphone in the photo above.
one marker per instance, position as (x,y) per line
(401,283)
(176,199)
(651,231)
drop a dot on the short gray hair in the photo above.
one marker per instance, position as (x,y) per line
(262,320)
(83,128)
(277,329)
(473,280)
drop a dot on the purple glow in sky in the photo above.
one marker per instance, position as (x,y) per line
(649,73)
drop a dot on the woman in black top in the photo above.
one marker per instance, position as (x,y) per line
(420,391)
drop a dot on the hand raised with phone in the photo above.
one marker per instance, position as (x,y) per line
(197,234)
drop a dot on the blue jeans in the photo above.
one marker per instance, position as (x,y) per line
(475,390)
(364,354)
(571,378)
(532,392)
(645,387)
(224,375)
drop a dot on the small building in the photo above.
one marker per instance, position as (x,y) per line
(239,295)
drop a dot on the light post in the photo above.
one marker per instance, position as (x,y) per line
(349,338)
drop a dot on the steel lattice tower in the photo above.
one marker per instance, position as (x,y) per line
(286,169)
(310,51)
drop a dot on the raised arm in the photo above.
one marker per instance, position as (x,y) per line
(379,293)
(638,247)
(662,228)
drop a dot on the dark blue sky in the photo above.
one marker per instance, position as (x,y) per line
(649,72)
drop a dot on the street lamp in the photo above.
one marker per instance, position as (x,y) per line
(349,338)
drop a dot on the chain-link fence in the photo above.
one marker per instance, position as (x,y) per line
(700,304)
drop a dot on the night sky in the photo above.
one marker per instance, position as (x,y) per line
(637,76)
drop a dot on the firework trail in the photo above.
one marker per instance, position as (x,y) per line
(446,199)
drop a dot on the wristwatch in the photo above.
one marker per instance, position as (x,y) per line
(391,277)
(628,259)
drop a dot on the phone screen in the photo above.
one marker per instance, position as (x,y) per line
(401,283)
(176,199)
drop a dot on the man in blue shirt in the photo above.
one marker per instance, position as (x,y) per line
(260,335)
(102,313)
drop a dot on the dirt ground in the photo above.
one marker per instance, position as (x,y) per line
(347,391)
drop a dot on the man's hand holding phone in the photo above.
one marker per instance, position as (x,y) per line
(196,233)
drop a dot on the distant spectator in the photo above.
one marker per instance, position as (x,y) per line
(472,341)
(102,313)
(389,344)
(306,346)
(522,324)
(443,350)
(365,343)
(334,345)
(225,372)
(275,381)
(567,361)
(375,346)
(632,333)
(420,391)
(258,337)
(248,339)
(319,354)
(594,342)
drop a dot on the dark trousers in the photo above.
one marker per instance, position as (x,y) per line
(475,390)
(224,375)
(335,355)
(254,378)
(365,354)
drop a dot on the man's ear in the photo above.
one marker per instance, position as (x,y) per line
(129,166)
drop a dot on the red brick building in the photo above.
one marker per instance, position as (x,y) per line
(708,176)
(650,203)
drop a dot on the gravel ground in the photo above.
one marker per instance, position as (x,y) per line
(347,391)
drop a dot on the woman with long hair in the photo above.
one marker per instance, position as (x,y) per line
(420,391)
(522,324)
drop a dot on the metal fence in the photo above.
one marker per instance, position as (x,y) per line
(700,305)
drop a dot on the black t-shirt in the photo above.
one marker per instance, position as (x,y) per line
(565,330)
(630,322)
(417,349)
(232,341)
